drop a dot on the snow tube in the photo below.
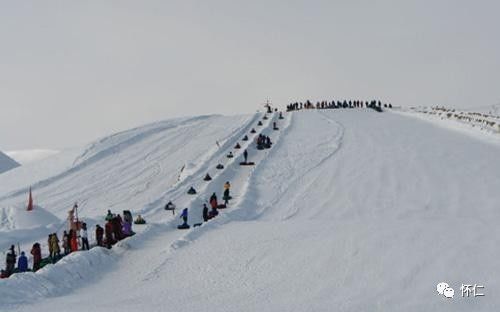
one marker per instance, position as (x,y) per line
(219,166)
(207,178)
(260,123)
(237,145)
(229,156)
(245,138)
(184,226)
(253,131)
(191,191)
(251,163)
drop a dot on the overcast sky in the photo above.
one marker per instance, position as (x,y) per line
(72,71)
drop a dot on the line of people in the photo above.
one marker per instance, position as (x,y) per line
(74,239)
(336,104)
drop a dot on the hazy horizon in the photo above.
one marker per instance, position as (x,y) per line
(74,71)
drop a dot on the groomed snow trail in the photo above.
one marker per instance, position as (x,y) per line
(351,210)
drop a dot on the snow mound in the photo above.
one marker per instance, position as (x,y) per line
(25,157)
(7,163)
(18,218)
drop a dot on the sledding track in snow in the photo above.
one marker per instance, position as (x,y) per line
(350,209)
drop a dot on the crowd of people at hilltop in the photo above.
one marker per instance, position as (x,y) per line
(336,104)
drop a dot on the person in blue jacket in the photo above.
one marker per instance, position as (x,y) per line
(184,215)
(22,263)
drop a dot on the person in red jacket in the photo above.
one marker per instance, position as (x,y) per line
(73,240)
(37,256)
(213,201)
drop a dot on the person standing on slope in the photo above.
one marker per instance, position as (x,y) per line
(184,216)
(99,233)
(37,256)
(66,248)
(226,196)
(22,263)
(205,212)
(213,201)
(245,155)
(56,251)
(10,260)
(85,237)
(73,241)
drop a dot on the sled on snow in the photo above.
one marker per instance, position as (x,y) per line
(197,224)
(237,145)
(265,118)
(245,138)
(253,131)
(260,123)
(191,191)
(230,155)
(247,163)
(142,221)
(221,206)
(184,226)
(207,178)
(276,128)
(219,166)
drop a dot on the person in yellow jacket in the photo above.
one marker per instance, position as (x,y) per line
(54,244)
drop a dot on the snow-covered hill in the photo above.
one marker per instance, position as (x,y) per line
(351,210)
(7,163)
(25,157)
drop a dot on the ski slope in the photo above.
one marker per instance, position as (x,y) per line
(351,210)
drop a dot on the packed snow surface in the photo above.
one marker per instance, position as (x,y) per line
(350,210)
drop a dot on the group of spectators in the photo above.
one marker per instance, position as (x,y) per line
(74,239)
(336,104)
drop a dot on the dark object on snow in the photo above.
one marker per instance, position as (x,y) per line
(244,163)
(207,178)
(183,226)
(253,131)
(191,191)
(260,123)
(237,145)
(275,127)
(265,117)
(230,155)
(212,214)
(170,206)
(221,206)
(197,224)
(139,220)
(281,116)
(245,138)
(219,166)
